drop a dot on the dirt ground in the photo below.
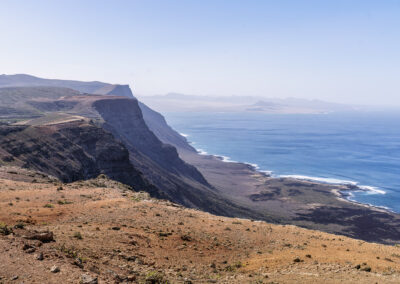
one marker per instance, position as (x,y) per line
(102,230)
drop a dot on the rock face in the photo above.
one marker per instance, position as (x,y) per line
(71,151)
(124,119)
(116,90)
(157,123)
(159,162)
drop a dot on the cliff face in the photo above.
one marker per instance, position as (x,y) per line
(70,151)
(157,123)
(124,119)
(116,90)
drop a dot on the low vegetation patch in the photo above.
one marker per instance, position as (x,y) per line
(155,277)
(4,229)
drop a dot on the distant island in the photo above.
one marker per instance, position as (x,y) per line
(189,103)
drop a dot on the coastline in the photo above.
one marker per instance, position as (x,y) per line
(287,200)
(343,193)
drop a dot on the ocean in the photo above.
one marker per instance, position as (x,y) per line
(340,148)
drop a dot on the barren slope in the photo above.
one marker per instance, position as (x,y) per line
(103,229)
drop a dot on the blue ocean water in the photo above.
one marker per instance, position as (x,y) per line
(361,148)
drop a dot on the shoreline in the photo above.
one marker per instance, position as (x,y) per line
(308,204)
(343,194)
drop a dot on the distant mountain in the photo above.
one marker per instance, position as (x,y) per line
(24,80)
(188,103)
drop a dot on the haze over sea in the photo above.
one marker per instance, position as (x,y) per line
(360,148)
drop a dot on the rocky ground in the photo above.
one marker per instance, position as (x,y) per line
(99,231)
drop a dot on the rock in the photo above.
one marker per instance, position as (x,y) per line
(54,269)
(186,238)
(87,279)
(78,262)
(26,246)
(39,256)
(44,237)
(131,278)
(14,277)
(30,250)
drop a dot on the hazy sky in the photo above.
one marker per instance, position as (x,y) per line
(343,51)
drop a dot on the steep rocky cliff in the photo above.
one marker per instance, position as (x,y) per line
(157,123)
(116,90)
(124,119)
(70,151)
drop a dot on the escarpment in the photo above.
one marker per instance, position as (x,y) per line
(124,119)
(70,151)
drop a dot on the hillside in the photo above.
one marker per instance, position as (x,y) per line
(100,229)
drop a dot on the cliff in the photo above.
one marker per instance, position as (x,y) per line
(116,90)
(159,162)
(70,151)
(157,123)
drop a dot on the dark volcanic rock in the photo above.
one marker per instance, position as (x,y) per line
(158,125)
(124,119)
(71,152)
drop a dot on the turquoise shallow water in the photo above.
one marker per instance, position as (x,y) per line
(359,148)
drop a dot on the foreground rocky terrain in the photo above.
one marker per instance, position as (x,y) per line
(100,231)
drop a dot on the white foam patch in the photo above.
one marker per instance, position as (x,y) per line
(202,152)
(368,189)
(226,159)
(184,135)
(320,179)
(255,166)
(371,189)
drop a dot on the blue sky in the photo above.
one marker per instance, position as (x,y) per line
(343,51)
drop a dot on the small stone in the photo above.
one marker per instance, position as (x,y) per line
(44,237)
(54,269)
(131,278)
(30,250)
(26,246)
(87,279)
(39,256)
(78,262)
(14,277)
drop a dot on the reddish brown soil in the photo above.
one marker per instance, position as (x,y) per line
(103,229)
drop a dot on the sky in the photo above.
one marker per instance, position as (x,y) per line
(335,50)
